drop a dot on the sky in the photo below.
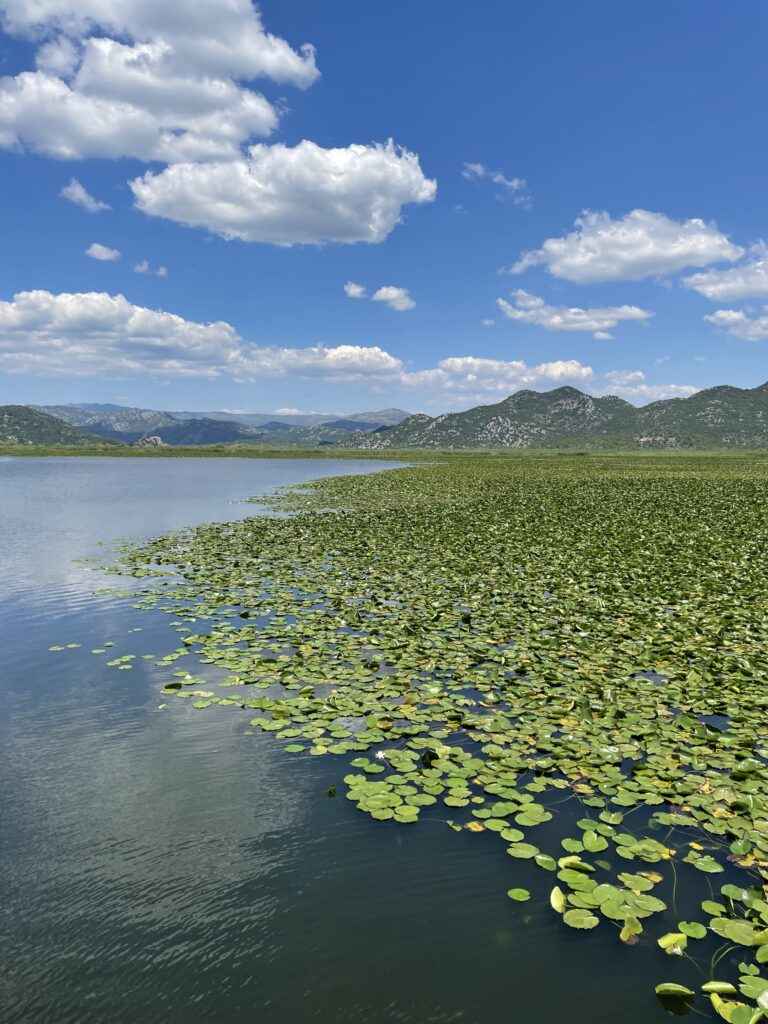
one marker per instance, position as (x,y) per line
(338,207)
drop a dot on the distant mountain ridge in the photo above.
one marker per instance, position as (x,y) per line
(720,417)
(128,425)
(24,425)
(565,418)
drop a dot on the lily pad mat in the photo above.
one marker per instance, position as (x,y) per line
(481,639)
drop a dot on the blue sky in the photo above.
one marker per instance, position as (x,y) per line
(622,149)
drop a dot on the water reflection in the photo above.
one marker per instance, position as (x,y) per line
(167,866)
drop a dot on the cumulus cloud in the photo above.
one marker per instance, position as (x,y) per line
(638,245)
(97,251)
(740,324)
(464,376)
(291,195)
(216,36)
(97,334)
(640,393)
(625,376)
(530,309)
(748,280)
(396,298)
(137,78)
(78,194)
(516,186)
(145,267)
(632,385)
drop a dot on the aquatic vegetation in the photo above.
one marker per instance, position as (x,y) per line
(567,655)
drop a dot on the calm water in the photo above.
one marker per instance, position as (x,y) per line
(164,866)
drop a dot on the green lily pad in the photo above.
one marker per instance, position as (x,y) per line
(523,851)
(581,919)
(740,932)
(672,990)
(519,895)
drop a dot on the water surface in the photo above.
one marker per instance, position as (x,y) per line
(164,865)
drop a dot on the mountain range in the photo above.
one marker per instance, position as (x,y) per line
(128,425)
(719,417)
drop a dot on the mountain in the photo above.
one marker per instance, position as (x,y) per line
(202,431)
(381,417)
(352,424)
(128,424)
(21,424)
(110,420)
(721,417)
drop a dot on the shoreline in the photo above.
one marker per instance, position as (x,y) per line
(378,454)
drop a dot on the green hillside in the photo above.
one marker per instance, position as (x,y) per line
(23,425)
(722,417)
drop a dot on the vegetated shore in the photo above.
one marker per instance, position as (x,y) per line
(229,451)
(562,654)
(223,451)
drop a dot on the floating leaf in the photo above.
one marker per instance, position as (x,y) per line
(673,943)
(523,851)
(740,932)
(630,930)
(557,900)
(674,991)
(518,895)
(580,919)
(708,864)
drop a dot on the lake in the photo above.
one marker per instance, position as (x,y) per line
(163,865)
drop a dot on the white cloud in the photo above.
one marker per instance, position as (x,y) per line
(650,392)
(516,186)
(216,36)
(740,324)
(354,291)
(640,244)
(749,280)
(471,376)
(145,267)
(530,309)
(488,322)
(96,334)
(97,251)
(106,336)
(603,335)
(396,298)
(625,376)
(76,193)
(59,56)
(143,79)
(291,195)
